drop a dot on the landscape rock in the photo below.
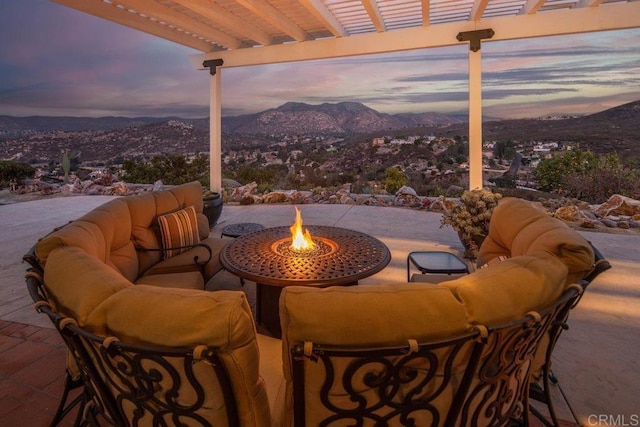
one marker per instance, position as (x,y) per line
(247,200)
(239,193)
(588,223)
(568,213)
(619,212)
(619,205)
(274,197)
(624,225)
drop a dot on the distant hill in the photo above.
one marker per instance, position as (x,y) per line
(614,130)
(341,118)
(11,127)
(168,137)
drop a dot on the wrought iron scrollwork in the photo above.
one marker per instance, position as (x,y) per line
(480,379)
(387,387)
(154,387)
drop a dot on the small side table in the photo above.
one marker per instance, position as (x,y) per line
(240,229)
(437,263)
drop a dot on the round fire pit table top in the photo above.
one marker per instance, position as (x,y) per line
(340,256)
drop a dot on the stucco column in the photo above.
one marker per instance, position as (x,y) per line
(475,102)
(215,130)
(475,120)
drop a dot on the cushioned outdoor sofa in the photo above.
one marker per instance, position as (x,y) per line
(461,335)
(133,271)
(530,261)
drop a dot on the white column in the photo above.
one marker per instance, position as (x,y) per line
(475,119)
(215,133)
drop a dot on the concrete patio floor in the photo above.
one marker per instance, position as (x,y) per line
(597,360)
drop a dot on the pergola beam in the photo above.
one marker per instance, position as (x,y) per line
(560,22)
(426,12)
(320,11)
(479,6)
(371,6)
(166,14)
(224,19)
(122,16)
(272,15)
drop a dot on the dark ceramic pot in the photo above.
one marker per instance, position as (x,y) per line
(212,208)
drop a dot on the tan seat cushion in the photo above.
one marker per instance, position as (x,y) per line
(185,263)
(186,280)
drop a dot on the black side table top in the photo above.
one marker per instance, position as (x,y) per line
(240,229)
(437,262)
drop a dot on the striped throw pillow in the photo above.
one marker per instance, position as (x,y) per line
(178,228)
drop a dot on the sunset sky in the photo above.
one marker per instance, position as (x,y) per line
(55,61)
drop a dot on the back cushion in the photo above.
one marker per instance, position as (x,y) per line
(114,221)
(77,282)
(80,234)
(506,291)
(190,194)
(144,231)
(519,228)
(149,315)
(103,233)
(146,208)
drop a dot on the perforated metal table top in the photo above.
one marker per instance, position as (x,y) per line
(340,256)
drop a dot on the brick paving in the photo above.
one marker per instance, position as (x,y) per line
(32,366)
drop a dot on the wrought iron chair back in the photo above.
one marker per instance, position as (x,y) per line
(481,378)
(125,384)
(498,393)
(541,392)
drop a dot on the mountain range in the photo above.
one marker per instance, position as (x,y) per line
(325,119)
(40,138)
(290,118)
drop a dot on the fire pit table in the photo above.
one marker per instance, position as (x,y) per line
(339,257)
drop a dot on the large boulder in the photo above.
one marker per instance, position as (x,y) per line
(620,206)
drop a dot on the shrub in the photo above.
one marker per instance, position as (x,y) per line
(10,171)
(394,179)
(584,175)
(470,219)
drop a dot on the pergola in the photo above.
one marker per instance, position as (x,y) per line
(236,33)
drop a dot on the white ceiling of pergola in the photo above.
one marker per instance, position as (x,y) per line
(249,32)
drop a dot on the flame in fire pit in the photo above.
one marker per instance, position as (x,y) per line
(300,241)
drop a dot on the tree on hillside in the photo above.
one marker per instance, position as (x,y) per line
(171,170)
(394,179)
